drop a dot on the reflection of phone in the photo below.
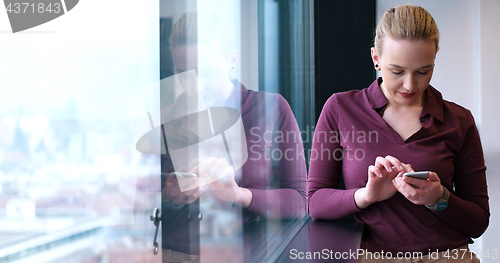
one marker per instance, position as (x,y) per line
(420,175)
(184,175)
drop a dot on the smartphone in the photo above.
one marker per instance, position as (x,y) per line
(184,175)
(420,175)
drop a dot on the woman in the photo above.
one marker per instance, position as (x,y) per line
(402,124)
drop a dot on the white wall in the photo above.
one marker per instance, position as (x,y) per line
(467,73)
(490,109)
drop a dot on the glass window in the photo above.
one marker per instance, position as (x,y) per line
(73,187)
(186,128)
(233,164)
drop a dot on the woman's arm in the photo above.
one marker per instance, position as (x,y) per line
(468,208)
(325,199)
(285,197)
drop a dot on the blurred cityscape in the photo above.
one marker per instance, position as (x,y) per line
(79,191)
(74,191)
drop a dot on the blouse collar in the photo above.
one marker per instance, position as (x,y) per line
(433,101)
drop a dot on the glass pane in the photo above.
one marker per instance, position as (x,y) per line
(92,129)
(233,165)
(73,187)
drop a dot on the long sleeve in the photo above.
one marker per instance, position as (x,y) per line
(324,197)
(284,197)
(468,209)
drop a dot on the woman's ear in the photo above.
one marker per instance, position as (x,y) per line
(375,57)
(233,60)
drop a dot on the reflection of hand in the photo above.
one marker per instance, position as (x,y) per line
(427,193)
(210,170)
(226,187)
(380,186)
(172,195)
(175,198)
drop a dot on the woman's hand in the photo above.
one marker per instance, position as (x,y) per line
(226,188)
(380,186)
(173,196)
(427,193)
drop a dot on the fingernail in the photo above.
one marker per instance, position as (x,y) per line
(390,169)
(401,168)
(379,175)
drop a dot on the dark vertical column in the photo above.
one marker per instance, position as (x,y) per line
(295,71)
(180,227)
(296,58)
(343,37)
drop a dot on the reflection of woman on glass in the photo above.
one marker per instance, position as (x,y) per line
(266,185)
(403,124)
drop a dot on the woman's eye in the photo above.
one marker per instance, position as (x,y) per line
(422,73)
(398,72)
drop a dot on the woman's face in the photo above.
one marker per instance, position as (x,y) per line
(211,68)
(406,67)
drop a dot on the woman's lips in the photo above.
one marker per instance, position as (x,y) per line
(406,94)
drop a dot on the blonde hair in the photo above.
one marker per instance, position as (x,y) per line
(211,29)
(406,22)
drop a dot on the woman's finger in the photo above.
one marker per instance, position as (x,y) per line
(171,186)
(203,165)
(382,162)
(397,183)
(204,184)
(414,181)
(407,168)
(212,167)
(404,188)
(374,171)
(395,162)
(188,199)
(434,177)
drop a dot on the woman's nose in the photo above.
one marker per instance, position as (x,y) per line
(190,82)
(410,83)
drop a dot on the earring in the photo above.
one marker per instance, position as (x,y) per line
(376,66)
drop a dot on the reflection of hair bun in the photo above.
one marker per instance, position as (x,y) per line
(185,31)
(406,22)
(202,28)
